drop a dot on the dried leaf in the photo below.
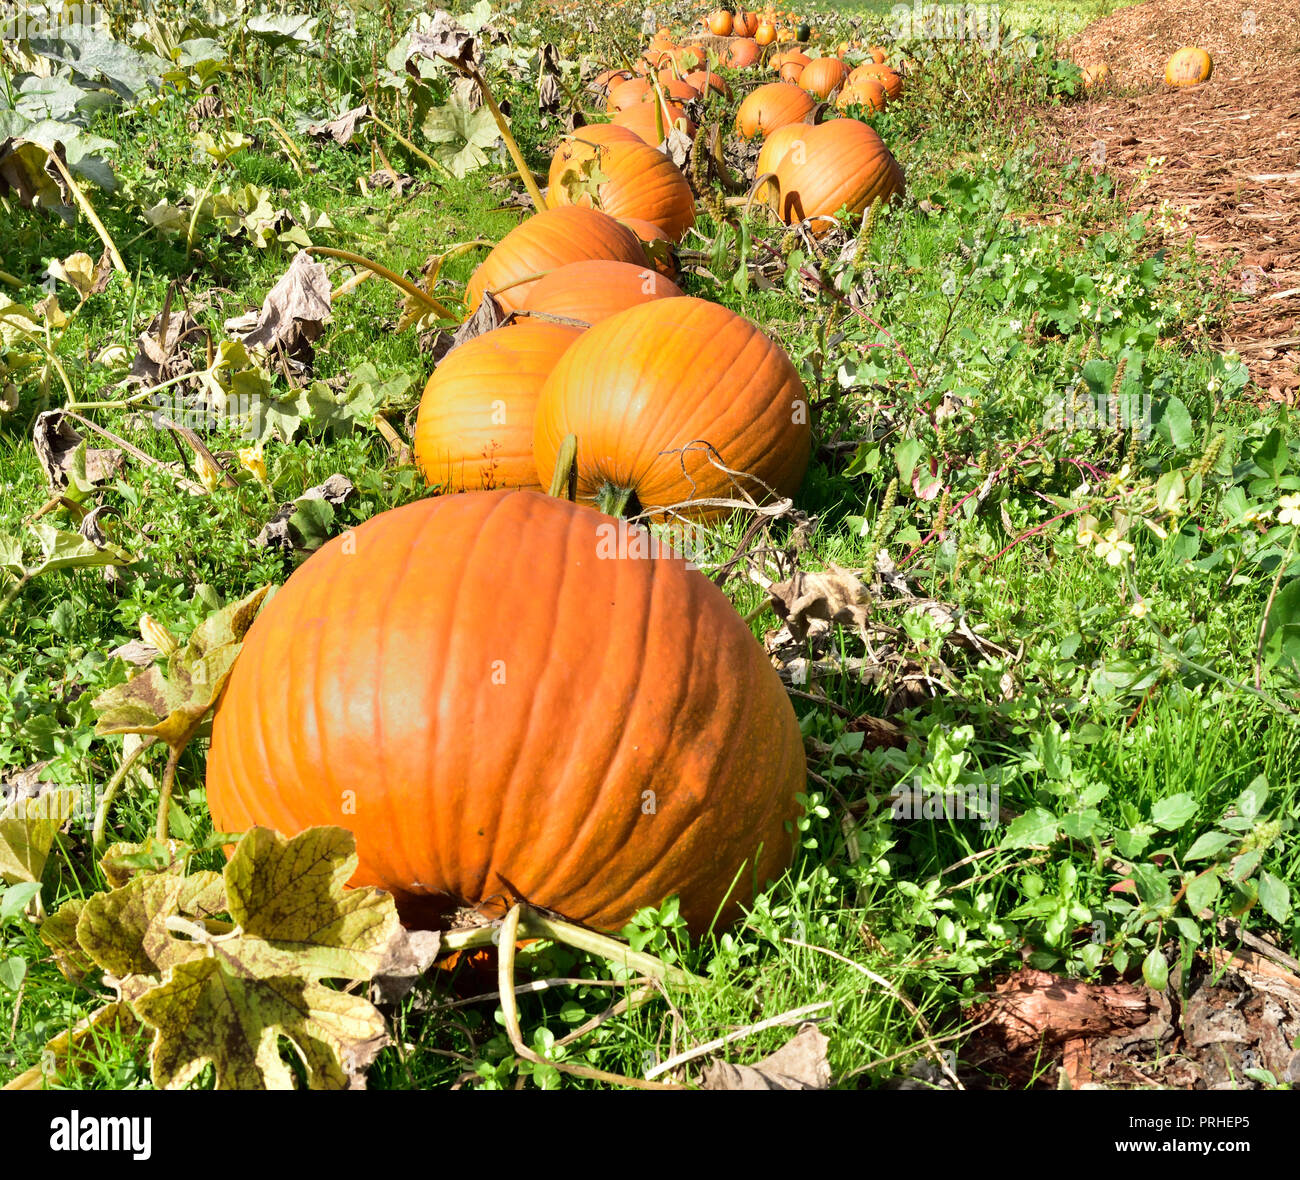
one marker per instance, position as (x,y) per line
(59,449)
(341,129)
(445,40)
(295,310)
(171,704)
(835,596)
(800,1064)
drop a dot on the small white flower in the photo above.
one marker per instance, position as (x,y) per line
(1289,510)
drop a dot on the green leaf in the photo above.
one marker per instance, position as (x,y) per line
(1282,631)
(1152,885)
(15,898)
(12,972)
(1155,970)
(906,454)
(1176,423)
(1251,801)
(464,135)
(1275,898)
(1172,813)
(1037,828)
(1209,844)
(65,550)
(1202,891)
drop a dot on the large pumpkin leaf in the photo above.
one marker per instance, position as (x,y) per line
(464,135)
(204,1014)
(171,704)
(27,831)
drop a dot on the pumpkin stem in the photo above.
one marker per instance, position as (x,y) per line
(614,501)
(165,791)
(564,479)
(510,1014)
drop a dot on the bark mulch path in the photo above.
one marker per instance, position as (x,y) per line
(1231,152)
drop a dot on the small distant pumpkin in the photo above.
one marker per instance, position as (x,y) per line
(765,34)
(1189,66)
(1096,76)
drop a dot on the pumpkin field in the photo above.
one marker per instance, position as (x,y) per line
(660,547)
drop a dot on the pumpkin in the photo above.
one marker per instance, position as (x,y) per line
(593,291)
(1188,66)
(843,163)
(773,151)
(607,79)
(878,55)
(765,34)
(822,75)
(650,390)
(658,245)
(641,121)
(627,94)
(741,53)
(866,92)
(582,145)
(493,698)
(792,68)
(803,33)
(640,182)
(891,80)
(704,81)
(772,106)
(720,22)
(745,24)
(1096,75)
(675,90)
(474,430)
(543,242)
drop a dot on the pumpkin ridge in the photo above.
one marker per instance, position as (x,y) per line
(552,789)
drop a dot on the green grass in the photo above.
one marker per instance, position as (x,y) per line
(1086,718)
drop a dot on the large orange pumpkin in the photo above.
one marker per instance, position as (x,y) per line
(773,152)
(594,291)
(822,75)
(649,391)
(842,163)
(866,92)
(640,182)
(493,696)
(891,80)
(772,106)
(1189,66)
(582,145)
(543,242)
(475,425)
(704,81)
(745,24)
(641,119)
(626,94)
(720,22)
(742,53)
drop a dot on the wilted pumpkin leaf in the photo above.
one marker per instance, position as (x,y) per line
(27,831)
(59,933)
(63,550)
(583,178)
(171,704)
(24,169)
(126,932)
(202,1013)
(288,897)
(800,1064)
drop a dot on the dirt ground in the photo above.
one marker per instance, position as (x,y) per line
(1231,152)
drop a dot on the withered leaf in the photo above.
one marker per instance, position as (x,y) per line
(27,831)
(444,39)
(57,442)
(834,596)
(171,704)
(800,1064)
(294,311)
(343,128)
